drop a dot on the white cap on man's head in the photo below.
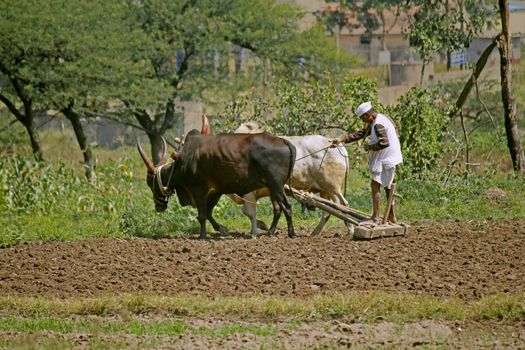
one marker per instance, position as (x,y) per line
(363,108)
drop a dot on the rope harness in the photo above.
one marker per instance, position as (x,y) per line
(164,190)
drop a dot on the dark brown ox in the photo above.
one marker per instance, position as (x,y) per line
(212,165)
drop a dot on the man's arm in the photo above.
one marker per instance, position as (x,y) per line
(355,136)
(382,139)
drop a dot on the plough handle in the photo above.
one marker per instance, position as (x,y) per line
(389,203)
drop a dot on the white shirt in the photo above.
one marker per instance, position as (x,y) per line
(387,157)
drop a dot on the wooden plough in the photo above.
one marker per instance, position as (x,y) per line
(364,228)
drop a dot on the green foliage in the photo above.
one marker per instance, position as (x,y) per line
(321,106)
(422,125)
(40,201)
(32,186)
(58,66)
(310,108)
(370,14)
(175,222)
(198,45)
(463,198)
(445,25)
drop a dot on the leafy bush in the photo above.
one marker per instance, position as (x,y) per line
(422,124)
(314,108)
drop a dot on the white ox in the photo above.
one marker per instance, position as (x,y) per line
(317,169)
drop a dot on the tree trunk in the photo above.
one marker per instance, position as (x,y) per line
(27,118)
(423,66)
(449,54)
(74,118)
(29,124)
(507,97)
(156,147)
(154,136)
(154,129)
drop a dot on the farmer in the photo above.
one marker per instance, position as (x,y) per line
(384,153)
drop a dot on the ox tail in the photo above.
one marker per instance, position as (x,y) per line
(293,154)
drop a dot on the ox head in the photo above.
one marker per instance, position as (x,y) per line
(157,181)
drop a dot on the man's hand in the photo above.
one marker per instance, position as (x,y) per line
(367,147)
(334,142)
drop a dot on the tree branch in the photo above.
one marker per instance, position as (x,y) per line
(475,75)
(11,106)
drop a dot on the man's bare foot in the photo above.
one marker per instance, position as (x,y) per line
(375,219)
(392,219)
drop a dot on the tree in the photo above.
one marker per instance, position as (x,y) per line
(313,107)
(135,59)
(433,26)
(49,65)
(444,25)
(503,41)
(370,15)
(195,41)
(507,97)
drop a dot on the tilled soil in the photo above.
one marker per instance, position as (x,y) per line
(453,258)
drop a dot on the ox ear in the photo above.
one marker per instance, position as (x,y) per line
(205,125)
(175,155)
(147,161)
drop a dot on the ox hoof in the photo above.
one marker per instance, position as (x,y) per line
(261,225)
(315,233)
(223,230)
(291,234)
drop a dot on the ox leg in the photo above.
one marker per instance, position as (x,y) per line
(249,209)
(201,209)
(325,215)
(342,200)
(276,216)
(212,202)
(287,208)
(338,198)
(280,203)
(324,218)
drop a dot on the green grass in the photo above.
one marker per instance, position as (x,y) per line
(55,202)
(358,306)
(153,321)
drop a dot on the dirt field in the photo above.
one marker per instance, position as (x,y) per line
(458,259)
(443,259)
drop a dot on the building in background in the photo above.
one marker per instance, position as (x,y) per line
(387,44)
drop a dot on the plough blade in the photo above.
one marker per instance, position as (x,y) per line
(371,231)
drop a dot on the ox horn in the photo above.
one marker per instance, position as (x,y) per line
(145,158)
(164,157)
(205,125)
